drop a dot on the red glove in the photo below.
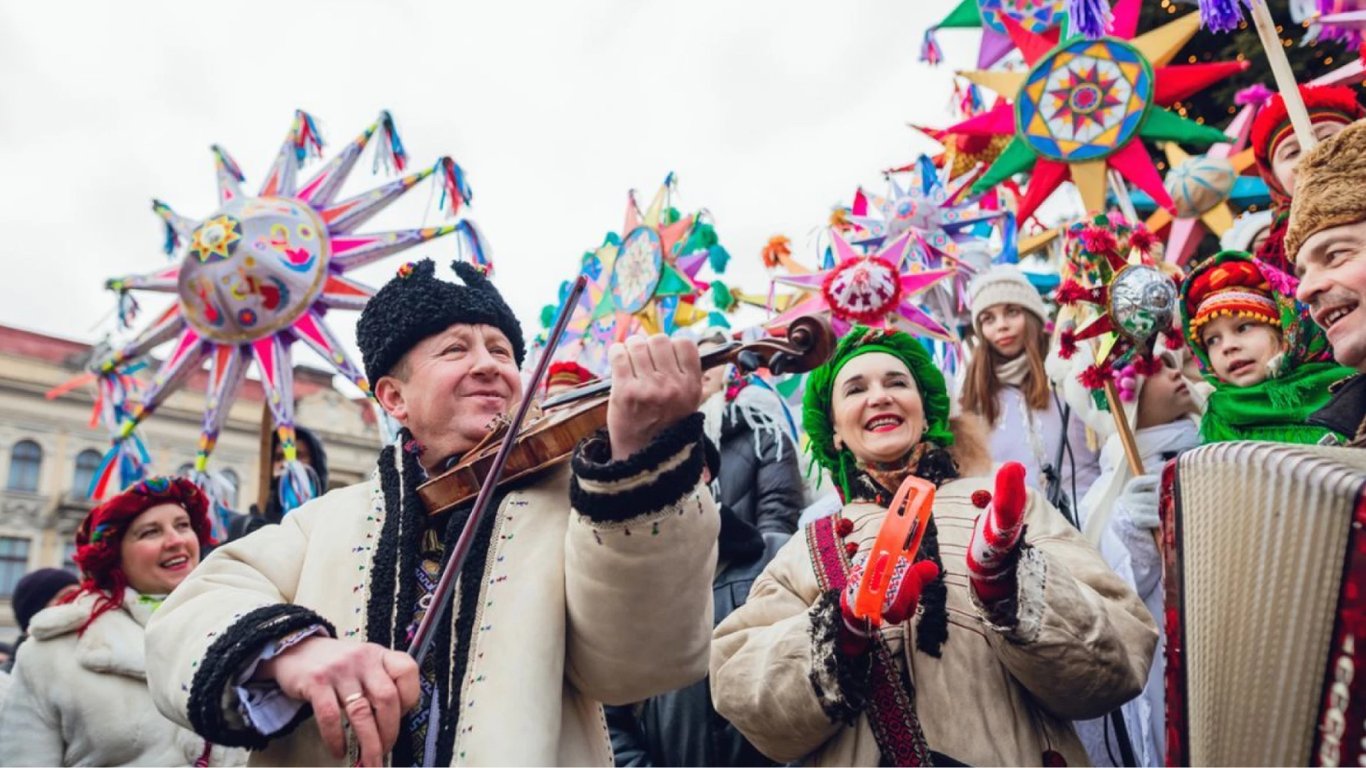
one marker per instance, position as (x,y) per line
(903,594)
(996,537)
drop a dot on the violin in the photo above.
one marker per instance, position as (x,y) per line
(549,439)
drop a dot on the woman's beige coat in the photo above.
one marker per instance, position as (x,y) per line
(84,700)
(998,695)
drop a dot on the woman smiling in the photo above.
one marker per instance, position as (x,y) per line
(1007,625)
(80,693)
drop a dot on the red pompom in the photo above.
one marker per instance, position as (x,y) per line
(981,499)
(1142,239)
(1098,240)
(844,526)
(1095,376)
(1146,366)
(1173,340)
(1067,344)
(850,548)
(1070,292)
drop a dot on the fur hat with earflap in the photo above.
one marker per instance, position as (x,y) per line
(1328,188)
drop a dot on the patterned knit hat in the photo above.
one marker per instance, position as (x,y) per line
(1329,191)
(1229,288)
(99,538)
(415,305)
(1004,284)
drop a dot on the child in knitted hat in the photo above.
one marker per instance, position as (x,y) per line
(1268,366)
(1007,385)
(1277,151)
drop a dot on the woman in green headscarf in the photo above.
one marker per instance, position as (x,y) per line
(1270,365)
(1006,627)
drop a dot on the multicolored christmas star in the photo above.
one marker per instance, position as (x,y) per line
(876,289)
(1082,106)
(1039,16)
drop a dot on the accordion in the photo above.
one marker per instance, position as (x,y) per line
(1265,577)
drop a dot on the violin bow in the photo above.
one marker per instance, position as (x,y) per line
(441,596)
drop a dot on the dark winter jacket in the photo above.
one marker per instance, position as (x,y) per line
(681,727)
(240,525)
(762,487)
(1345,413)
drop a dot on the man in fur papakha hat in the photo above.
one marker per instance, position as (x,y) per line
(1326,242)
(588,584)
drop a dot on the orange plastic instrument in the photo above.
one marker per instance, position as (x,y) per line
(898,539)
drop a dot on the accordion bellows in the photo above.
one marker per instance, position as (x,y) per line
(1266,603)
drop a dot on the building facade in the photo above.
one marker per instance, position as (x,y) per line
(49,450)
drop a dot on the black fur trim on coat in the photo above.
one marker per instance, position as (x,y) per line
(842,683)
(228,656)
(593,462)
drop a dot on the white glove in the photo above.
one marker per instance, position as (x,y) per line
(1139,501)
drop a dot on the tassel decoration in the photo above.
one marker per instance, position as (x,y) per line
(308,142)
(930,52)
(472,246)
(389,152)
(455,190)
(778,248)
(226,162)
(1090,18)
(127,309)
(1221,15)
(298,484)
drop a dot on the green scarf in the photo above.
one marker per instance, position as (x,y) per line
(1275,410)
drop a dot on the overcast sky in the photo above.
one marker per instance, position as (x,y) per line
(769,112)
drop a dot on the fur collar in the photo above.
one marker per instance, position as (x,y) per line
(113,644)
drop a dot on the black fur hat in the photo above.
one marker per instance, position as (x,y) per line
(415,305)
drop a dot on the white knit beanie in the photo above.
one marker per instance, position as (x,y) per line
(1004,284)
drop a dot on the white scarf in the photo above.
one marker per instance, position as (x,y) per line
(1098,505)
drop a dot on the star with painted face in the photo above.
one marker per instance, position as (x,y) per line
(1241,351)
(1332,269)
(878,413)
(159,549)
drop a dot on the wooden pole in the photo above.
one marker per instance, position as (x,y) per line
(1285,77)
(265,465)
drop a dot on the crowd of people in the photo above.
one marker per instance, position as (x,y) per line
(679,592)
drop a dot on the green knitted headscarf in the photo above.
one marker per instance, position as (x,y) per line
(820,386)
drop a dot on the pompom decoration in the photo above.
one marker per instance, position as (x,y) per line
(1071,292)
(1221,15)
(863,289)
(1067,344)
(405,269)
(1095,376)
(775,251)
(851,548)
(1142,239)
(1145,365)
(1253,95)
(1173,339)
(1090,18)
(1098,240)
(844,526)
(981,498)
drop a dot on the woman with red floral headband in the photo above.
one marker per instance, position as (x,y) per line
(80,692)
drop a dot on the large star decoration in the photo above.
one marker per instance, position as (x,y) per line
(877,289)
(1081,107)
(1041,16)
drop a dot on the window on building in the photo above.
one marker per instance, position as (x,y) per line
(87,462)
(13,563)
(69,558)
(25,460)
(234,484)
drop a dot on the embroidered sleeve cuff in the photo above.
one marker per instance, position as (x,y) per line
(1019,618)
(652,479)
(217,710)
(840,681)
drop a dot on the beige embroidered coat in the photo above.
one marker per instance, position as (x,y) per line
(574,609)
(997,696)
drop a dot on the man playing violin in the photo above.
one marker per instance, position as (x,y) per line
(588,584)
